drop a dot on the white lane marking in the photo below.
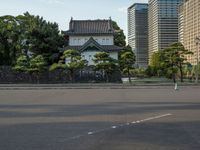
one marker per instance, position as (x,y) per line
(115,127)
(76,137)
(102,130)
(90,133)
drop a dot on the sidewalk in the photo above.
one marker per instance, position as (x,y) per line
(94,86)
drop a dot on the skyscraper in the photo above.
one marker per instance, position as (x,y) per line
(138,32)
(189,27)
(163,24)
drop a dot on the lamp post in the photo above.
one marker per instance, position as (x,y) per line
(197,67)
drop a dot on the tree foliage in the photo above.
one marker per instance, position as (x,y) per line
(70,60)
(169,62)
(34,65)
(22,64)
(156,67)
(28,33)
(174,58)
(127,60)
(37,64)
(126,49)
(105,63)
(119,37)
(9,31)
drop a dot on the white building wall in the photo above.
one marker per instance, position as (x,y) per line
(114,55)
(89,56)
(81,40)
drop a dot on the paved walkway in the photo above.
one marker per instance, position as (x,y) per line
(94,86)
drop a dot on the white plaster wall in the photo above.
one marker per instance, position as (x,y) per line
(89,56)
(114,55)
(81,40)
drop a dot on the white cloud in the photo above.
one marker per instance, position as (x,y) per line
(123,9)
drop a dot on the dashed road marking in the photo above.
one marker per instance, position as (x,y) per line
(90,133)
(113,127)
(118,126)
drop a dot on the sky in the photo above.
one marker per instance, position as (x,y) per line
(61,11)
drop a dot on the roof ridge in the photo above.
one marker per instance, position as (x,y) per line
(99,26)
(93,20)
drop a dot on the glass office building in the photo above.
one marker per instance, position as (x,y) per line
(138,32)
(163,24)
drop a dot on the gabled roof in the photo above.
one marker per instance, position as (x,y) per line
(92,43)
(90,27)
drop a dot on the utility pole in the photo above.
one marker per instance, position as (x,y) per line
(197,67)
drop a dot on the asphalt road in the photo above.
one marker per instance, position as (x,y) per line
(100,119)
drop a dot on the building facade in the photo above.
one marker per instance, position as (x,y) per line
(163,24)
(90,37)
(138,32)
(189,27)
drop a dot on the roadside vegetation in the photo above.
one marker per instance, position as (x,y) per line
(29,44)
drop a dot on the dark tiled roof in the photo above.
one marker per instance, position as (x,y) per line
(106,48)
(88,27)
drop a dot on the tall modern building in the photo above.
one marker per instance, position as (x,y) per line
(138,32)
(189,26)
(163,24)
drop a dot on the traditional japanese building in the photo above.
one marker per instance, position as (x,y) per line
(90,37)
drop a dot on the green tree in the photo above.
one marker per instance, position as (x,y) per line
(138,72)
(119,37)
(37,65)
(126,49)
(39,36)
(105,63)
(9,31)
(34,65)
(70,60)
(28,33)
(155,59)
(127,61)
(156,66)
(175,59)
(22,64)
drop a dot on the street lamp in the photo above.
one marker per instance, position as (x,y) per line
(197,39)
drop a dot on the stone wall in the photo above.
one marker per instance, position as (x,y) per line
(8,75)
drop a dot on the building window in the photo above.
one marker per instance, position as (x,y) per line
(79,41)
(107,41)
(103,41)
(74,41)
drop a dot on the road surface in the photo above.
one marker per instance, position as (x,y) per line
(100,119)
